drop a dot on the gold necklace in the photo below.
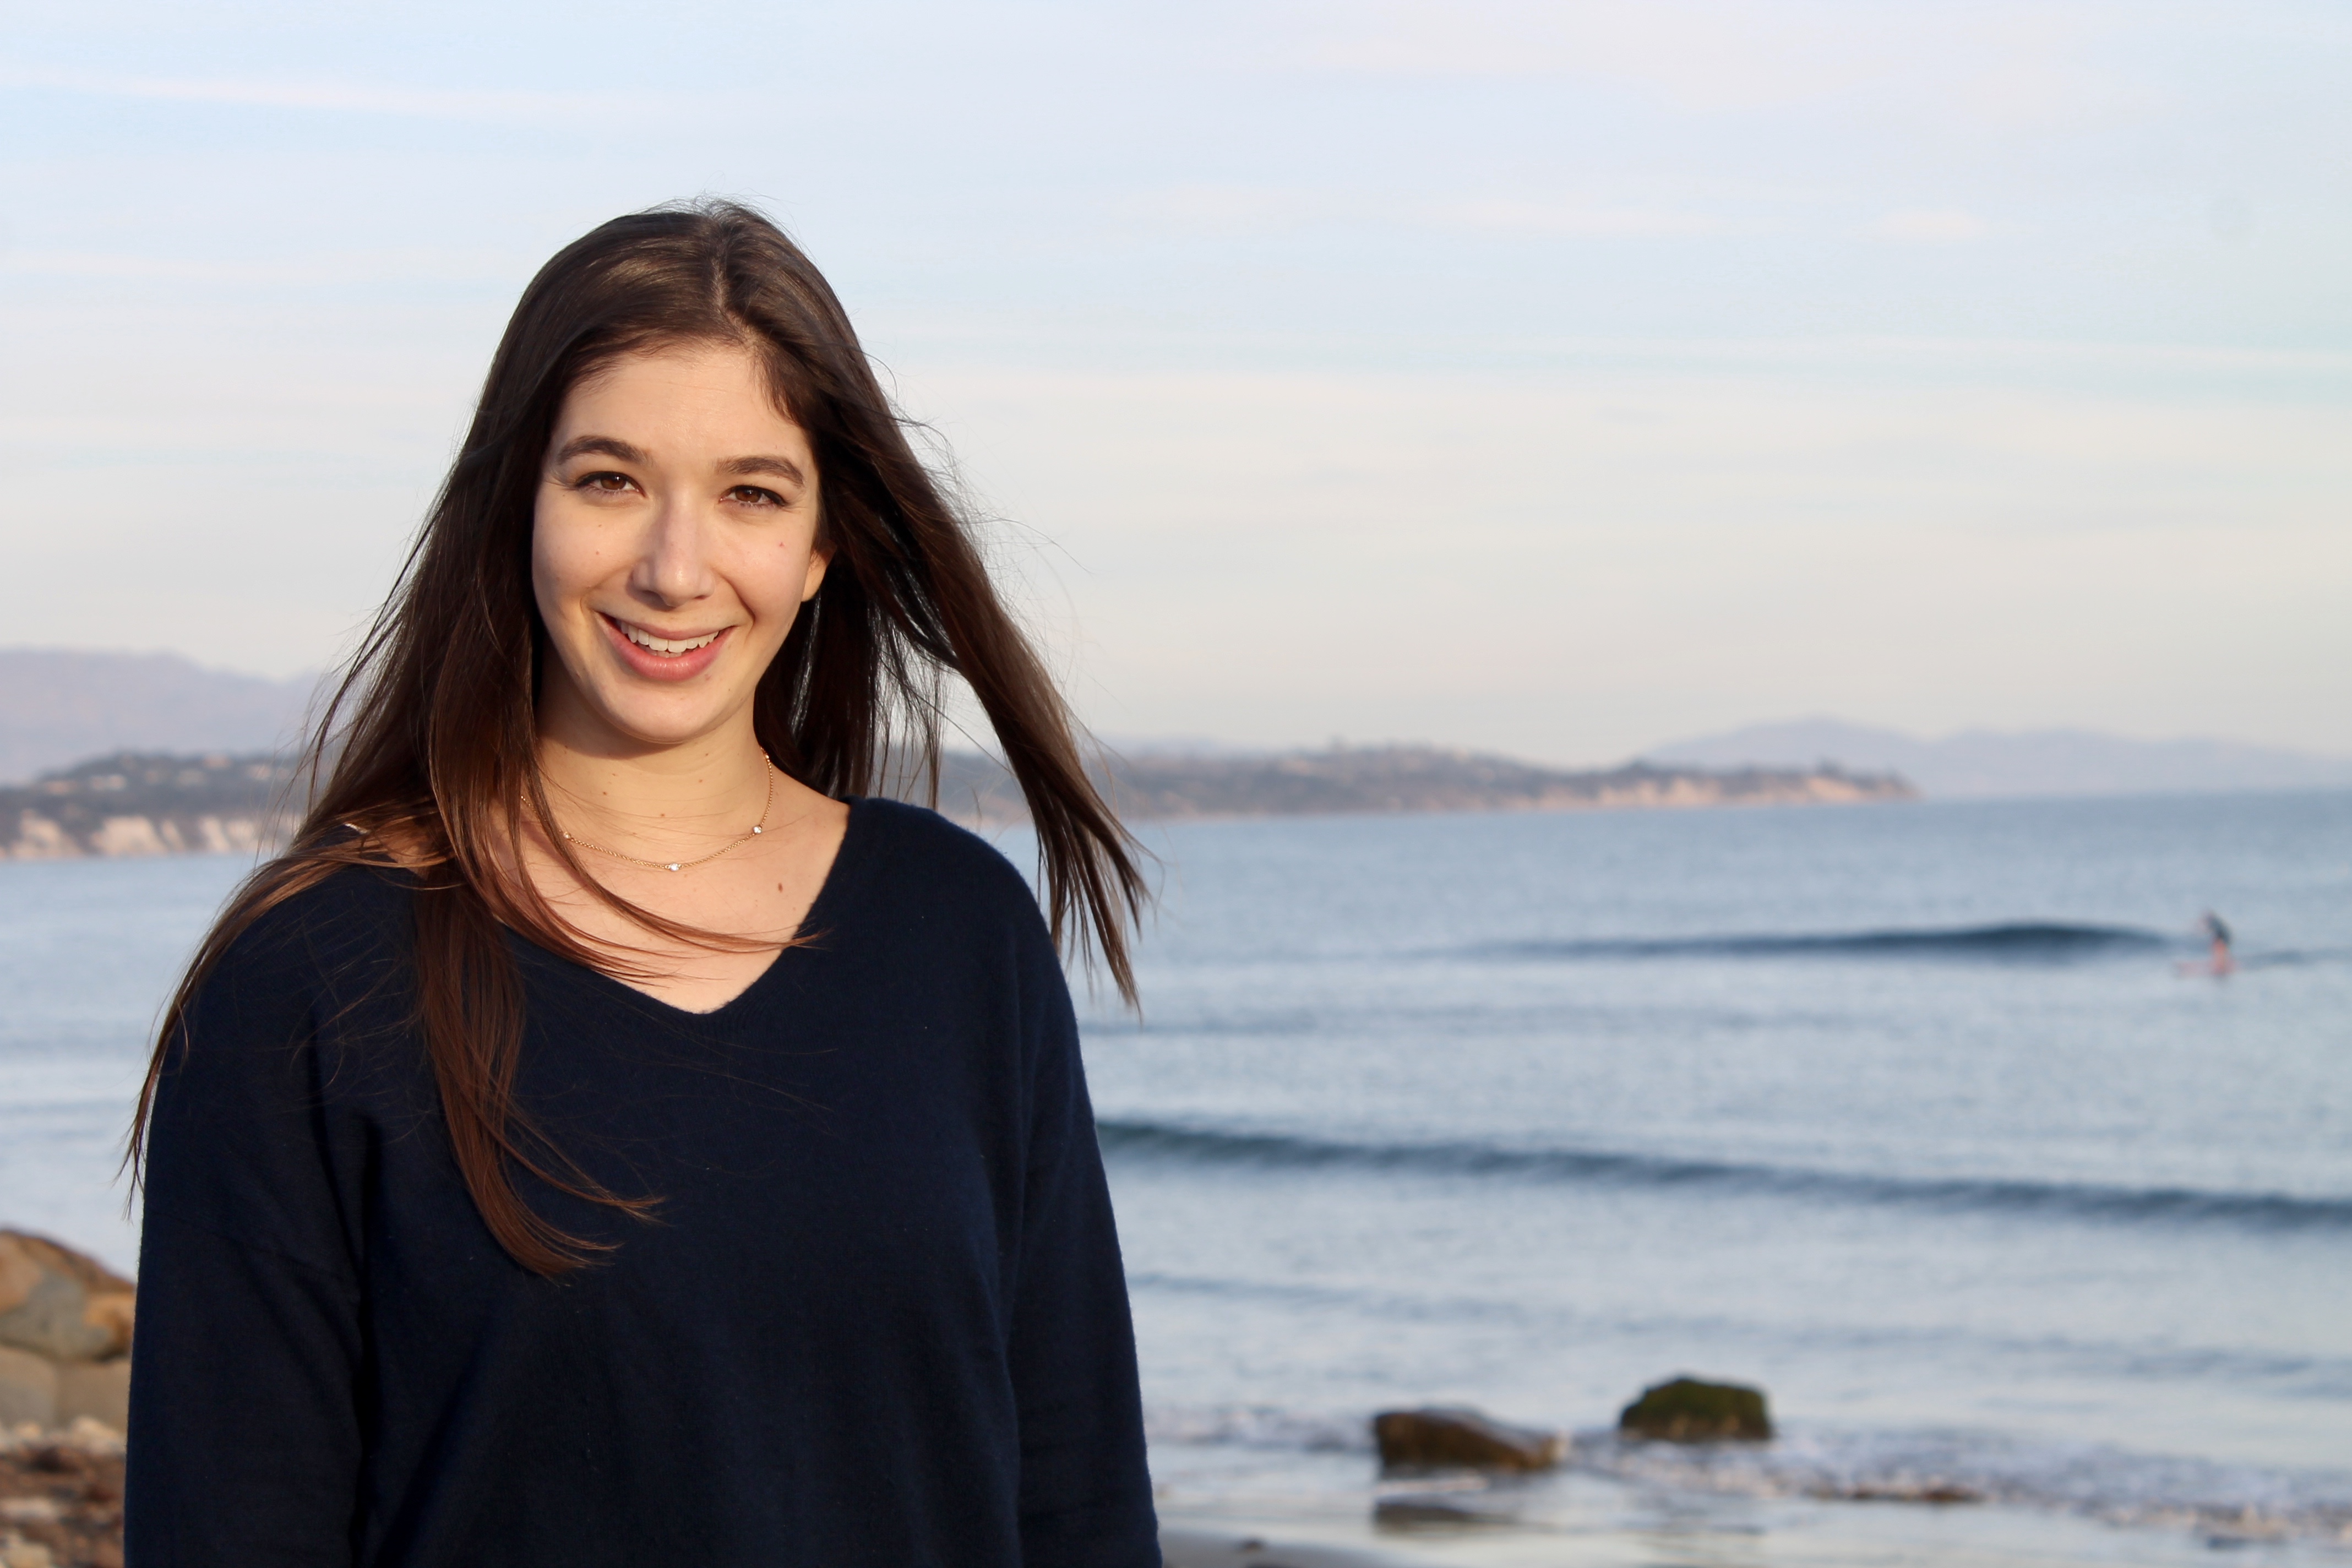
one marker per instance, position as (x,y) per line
(688,865)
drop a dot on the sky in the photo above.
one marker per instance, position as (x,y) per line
(1552,379)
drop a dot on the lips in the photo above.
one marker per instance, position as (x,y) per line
(679,656)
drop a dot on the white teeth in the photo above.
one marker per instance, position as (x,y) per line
(646,639)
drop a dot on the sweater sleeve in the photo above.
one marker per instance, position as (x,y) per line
(1085,1492)
(244,1437)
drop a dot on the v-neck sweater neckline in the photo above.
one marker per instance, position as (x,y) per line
(850,869)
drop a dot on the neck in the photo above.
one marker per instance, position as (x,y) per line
(661,800)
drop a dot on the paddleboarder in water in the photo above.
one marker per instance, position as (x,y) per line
(2217,933)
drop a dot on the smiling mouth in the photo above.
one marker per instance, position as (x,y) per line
(668,648)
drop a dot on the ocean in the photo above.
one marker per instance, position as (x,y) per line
(1909,1115)
(1903,1113)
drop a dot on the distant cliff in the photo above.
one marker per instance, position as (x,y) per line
(144,803)
(1409,778)
(1984,763)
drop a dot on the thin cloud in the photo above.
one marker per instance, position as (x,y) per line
(2016,64)
(339,267)
(1928,225)
(1259,208)
(319,97)
(1704,56)
(1581,219)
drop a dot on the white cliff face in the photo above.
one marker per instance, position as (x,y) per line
(231,836)
(128,836)
(39,838)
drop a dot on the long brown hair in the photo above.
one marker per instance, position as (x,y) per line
(428,745)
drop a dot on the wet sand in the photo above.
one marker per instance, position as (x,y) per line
(1208,1546)
(1591,1522)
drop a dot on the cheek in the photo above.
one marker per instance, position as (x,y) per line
(768,578)
(564,563)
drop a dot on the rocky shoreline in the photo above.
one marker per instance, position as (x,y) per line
(65,1336)
(61,1496)
(65,1395)
(1447,1480)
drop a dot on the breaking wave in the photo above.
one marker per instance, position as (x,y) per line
(1135,1139)
(2011,942)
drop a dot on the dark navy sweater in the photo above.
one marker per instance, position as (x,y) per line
(880,1318)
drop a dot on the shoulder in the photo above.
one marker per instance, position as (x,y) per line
(326,924)
(240,1066)
(912,855)
(936,900)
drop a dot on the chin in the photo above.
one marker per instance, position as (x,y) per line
(663,725)
(647,715)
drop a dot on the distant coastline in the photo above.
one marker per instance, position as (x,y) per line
(1986,765)
(132,804)
(152,803)
(1370,779)
(60,706)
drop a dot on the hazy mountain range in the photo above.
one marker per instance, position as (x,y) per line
(1985,763)
(63,706)
(60,707)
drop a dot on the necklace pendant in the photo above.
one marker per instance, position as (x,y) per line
(676,866)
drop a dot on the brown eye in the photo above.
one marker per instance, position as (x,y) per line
(752,495)
(605,484)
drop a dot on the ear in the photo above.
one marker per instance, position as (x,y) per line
(820,557)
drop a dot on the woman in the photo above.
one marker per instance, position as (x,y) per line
(606,1135)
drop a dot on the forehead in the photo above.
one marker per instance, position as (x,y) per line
(690,392)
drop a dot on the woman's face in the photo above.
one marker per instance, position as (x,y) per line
(674,540)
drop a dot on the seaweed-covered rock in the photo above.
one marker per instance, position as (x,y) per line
(1689,1411)
(57,1303)
(1448,1439)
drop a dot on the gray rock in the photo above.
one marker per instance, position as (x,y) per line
(97,1391)
(28,1389)
(57,1303)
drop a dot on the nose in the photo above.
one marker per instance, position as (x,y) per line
(674,564)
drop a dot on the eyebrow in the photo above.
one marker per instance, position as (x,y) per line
(733,467)
(581,446)
(781,468)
